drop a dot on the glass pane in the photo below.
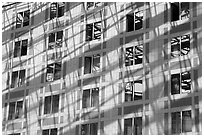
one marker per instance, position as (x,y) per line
(175,47)
(53,10)
(26,18)
(138,88)
(95,97)
(11,114)
(50,72)
(186,121)
(86,98)
(96,63)
(138,126)
(24,47)
(21,80)
(97,30)
(14,80)
(138,54)
(185,44)
(47,105)
(55,104)
(130,22)
(93,128)
(89,5)
(138,20)
(53,131)
(128,126)
(45,132)
(57,73)
(17,49)
(19,109)
(60,9)
(175,84)
(87,65)
(85,129)
(176,122)
(89,32)
(129,56)
(185,12)
(175,11)
(59,39)
(186,82)
(129,91)
(19,19)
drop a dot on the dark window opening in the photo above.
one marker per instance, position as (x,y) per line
(180,46)
(181,83)
(133,126)
(20,48)
(134,55)
(23,19)
(18,78)
(52,131)
(181,122)
(90,98)
(93,31)
(56,10)
(91,5)
(179,11)
(133,91)
(15,110)
(134,21)
(89,129)
(92,64)
(55,40)
(51,104)
(53,71)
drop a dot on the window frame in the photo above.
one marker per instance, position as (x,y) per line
(49,106)
(58,6)
(16,114)
(53,68)
(22,21)
(93,101)
(95,29)
(131,61)
(186,83)
(58,40)
(16,82)
(89,131)
(21,44)
(89,67)
(137,16)
(94,5)
(49,131)
(133,125)
(179,11)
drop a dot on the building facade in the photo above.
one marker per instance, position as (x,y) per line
(102,68)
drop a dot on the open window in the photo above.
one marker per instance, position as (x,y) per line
(93,31)
(89,129)
(91,64)
(133,90)
(54,71)
(92,5)
(51,104)
(181,122)
(15,110)
(180,45)
(134,55)
(23,19)
(181,83)
(20,48)
(133,126)
(18,78)
(179,11)
(57,9)
(55,40)
(134,21)
(90,98)
(52,131)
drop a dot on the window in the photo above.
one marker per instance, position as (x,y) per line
(57,9)
(89,129)
(93,31)
(55,40)
(91,64)
(20,48)
(134,55)
(54,71)
(18,78)
(133,126)
(23,19)
(51,104)
(92,5)
(181,122)
(134,21)
(90,98)
(52,131)
(133,90)
(15,110)
(180,46)
(179,11)
(181,83)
